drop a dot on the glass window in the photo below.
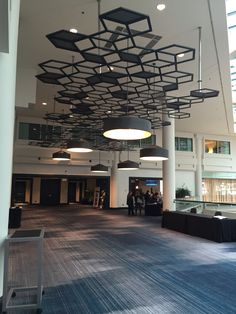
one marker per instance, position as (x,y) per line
(151,140)
(34,131)
(217,147)
(38,132)
(184,144)
(23,131)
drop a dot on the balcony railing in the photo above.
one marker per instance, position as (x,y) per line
(207,208)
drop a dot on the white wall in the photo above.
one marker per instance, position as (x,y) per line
(25,87)
(36,190)
(37,160)
(186,179)
(220,162)
(123,181)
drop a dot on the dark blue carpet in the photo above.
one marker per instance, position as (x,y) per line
(107,262)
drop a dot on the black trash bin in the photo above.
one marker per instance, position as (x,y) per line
(14,217)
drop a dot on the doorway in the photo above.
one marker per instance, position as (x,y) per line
(72,187)
(50,192)
(19,192)
(152,185)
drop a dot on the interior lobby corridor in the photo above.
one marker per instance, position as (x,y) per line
(108,262)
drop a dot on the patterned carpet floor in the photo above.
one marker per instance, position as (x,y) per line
(108,262)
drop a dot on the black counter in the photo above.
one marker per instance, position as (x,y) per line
(14,217)
(154,209)
(211,228)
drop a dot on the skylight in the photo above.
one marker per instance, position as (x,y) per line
(231,23)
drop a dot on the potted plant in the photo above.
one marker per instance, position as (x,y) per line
(182,192)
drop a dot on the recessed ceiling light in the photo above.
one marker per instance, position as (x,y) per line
(109,111)
(161,6)
(44,103)
(112,68)
(73,30)
(180,55)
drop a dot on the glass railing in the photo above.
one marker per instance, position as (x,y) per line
(207,208)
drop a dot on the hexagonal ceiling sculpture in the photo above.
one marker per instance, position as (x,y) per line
(115,75)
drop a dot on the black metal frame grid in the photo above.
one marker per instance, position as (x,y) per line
(114,75)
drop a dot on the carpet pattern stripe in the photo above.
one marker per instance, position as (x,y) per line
(98,262)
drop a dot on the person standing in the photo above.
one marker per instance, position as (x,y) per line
(138,202)
(130,203)
(102,199)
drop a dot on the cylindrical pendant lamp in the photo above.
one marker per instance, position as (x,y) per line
(126,128)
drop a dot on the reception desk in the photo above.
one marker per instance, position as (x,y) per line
(211,228)
(14,217)
(154,209)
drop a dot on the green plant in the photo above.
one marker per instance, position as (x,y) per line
(182,192)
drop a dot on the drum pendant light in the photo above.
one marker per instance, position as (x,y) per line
(128,165)
(99,167)
(154,153)
(78,146)
(60,155)
(126,128)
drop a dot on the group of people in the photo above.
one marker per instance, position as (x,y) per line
(137,200)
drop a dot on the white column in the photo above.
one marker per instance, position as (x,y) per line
(36,190)
(168,166)
(64,191)
(7,118)
(198,173)
(114,182)
(27,191)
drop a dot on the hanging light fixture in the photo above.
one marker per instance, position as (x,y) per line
(78,146)
(126,128)
(202,92)
(99,167)
(128,164)
(154,153)
(60,155)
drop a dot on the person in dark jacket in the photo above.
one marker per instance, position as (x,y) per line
(139,202)
(130,203)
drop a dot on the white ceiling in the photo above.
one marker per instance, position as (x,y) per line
(177,24)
